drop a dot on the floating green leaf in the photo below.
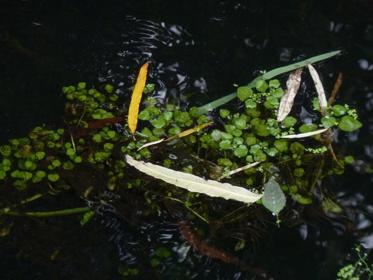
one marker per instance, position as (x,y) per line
(348,123)
(273,198)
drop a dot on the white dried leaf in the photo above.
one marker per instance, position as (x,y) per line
(194,183)
(232,172)
(151,144)
(319,87)
(304,135)
(287,100)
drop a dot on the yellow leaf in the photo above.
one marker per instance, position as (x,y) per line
(133,111)
(180,135)
(191,130)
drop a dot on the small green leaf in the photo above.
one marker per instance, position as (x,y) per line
(240,123)
(339,110)
(70,152)
(261,85)
(250,104)
(224,113)
(40,174)
(40,155)
(273,199)
(298,172)
(348,123)
(328,121)
(244,93)
(82,85)
(144,115)
(241,151)
(274,83)
(216,135)
(289,121)
(87,217)
(281,145)
(149,88)
(251,140)
(159,122)
(304,128)
(109,88)
(5,150)
(349,159)
(54,177)
(225,144)
(225,162)
(316,104)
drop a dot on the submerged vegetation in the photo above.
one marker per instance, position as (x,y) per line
(244,144)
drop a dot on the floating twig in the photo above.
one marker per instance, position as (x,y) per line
(230,173)
(336,87)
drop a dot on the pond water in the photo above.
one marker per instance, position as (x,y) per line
(198,51)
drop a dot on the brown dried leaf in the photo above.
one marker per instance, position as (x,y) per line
(287,100)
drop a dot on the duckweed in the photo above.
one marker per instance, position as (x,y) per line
(237,137)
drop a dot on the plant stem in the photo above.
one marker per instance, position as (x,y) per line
(47,214)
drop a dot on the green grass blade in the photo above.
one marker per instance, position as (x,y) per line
(281,70)
(216,103)
(267,76)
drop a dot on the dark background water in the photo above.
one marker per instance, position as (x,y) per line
(196,47)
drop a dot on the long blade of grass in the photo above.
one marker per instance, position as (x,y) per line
(266,76)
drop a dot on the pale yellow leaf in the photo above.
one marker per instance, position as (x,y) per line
(194,183)
(287,100)
(133,111)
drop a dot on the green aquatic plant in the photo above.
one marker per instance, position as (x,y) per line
(247,145)
(358,270)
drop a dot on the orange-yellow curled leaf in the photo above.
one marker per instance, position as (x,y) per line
(133,111)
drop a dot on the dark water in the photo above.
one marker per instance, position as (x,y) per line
(198,49)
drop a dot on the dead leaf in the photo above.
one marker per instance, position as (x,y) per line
(304,135)
(151,144)
(194,183)
(190,131)
(179,135)
(287,100)
(319,87)
(239,170)
(133,111)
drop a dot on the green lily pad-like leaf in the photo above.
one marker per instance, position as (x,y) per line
(348,123)
(244,93)
(273,199)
